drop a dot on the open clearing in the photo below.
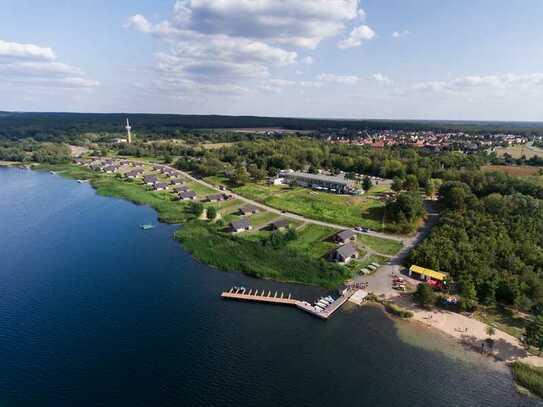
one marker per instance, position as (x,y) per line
(514,170)
(364,210)
(519,150)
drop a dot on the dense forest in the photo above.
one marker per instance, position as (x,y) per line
(490,239)
(32,151)
(69,126)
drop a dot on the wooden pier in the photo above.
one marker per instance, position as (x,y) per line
(267,296)
(262,296)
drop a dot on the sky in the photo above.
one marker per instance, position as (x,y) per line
(361,59)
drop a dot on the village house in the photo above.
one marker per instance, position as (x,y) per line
(181,188)
(241,225)
(345,236)
(149,179)
(248,210)
(159,186)
(176,181)
(187,196)
(135,173)
(280,224)
(216,198)
(345,253)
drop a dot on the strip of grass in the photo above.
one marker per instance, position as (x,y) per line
(169,211)
(236,253)
(372,259)
(529,377)
(397,310)
(384,246)
(209,244)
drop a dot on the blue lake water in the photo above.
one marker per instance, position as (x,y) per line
(96,312)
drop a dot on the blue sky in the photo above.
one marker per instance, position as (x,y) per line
(391,59)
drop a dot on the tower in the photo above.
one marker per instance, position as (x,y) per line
(128,133)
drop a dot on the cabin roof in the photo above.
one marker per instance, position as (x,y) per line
(241,224)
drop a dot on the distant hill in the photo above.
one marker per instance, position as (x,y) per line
(16,125)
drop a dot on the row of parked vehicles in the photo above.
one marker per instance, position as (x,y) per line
(321,304)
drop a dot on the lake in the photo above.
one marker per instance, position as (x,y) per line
(95,311)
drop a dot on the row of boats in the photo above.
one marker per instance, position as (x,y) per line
(322,303)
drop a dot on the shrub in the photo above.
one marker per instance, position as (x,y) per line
(529,377)
(424,296)
(397,311)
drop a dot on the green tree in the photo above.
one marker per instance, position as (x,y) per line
(366,183)
(397,184)
(196,208)
(424,296)
(411,183)
(469,295)
(429,188)
(534,332)
(239,177)
(211,213)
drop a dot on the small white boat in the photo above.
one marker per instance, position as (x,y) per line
(82,181)
(322,304)
(147,227)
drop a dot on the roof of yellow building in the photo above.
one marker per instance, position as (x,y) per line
(436,275)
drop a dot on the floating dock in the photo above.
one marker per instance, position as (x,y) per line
(269,297)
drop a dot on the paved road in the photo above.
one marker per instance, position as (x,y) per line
(380,282)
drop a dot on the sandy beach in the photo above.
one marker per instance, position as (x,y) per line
(470,332)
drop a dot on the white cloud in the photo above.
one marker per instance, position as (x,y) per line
(344,79)
(13,50)
(236,41)
(398,34)
(469,83)
(310,84)
(357,37)
(295,22)
(29,65)
(382,79)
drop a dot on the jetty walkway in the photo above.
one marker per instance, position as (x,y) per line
(266,296)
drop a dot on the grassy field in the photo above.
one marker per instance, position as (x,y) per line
(383,246)
(299,261)
(249,255)
(169,211)
(339,209)
(518,151)
(313,240)
(514,170)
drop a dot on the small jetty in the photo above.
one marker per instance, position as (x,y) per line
(324,308)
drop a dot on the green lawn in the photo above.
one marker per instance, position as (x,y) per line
(200,189)
(300,260)
(247,254)
(339,209)
(262,218)
(216,180)
(109,185)
(313,240)
(384,246)
(371,259)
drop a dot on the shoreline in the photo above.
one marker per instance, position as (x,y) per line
(470,333)
(507,348)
